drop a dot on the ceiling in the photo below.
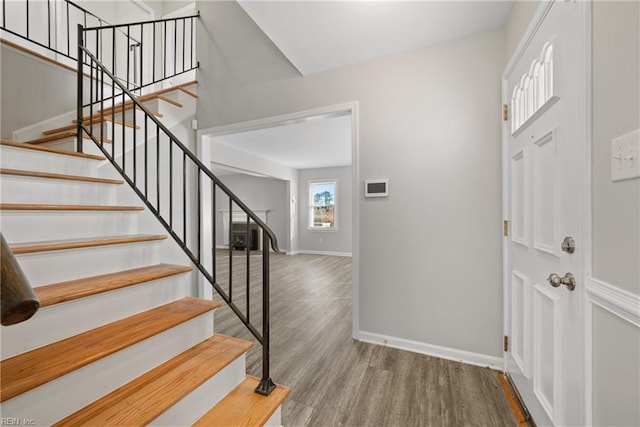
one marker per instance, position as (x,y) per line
(323,142)
(320,35)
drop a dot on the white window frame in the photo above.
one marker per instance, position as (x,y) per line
(310,205)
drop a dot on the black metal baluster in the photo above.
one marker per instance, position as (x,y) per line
(248,249)
(128,55)
(191,49)
(266,385)
(164,56)
(124,130)
(102,109)
(146,157)
(113,95)
(80,136)
(170,183)
(48,21)
(184,43)
(214,216)
(158,166)
(175,46)
(184,197)
(135,145)
(27,4)
(199,207)
(79,99)
(141,57)
(230,248)
(4,14)
(153,61)
(69,34)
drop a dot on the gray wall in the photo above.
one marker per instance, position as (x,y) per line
(616,210)
(258,193)
(322,240)
(429,121)
(616,111)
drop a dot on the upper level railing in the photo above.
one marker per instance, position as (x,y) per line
(51,24)
(173,183)
(138,54)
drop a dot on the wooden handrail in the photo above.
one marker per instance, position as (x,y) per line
(19,302)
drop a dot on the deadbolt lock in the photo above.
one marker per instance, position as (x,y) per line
(569,245)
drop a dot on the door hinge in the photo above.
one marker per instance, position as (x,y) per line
(505,228)
(506,343)
(505,112)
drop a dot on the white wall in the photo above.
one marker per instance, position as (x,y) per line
(521,13)
(327,241)
(259,194)
(429,121)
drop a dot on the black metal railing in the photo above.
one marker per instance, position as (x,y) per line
(178,189)
(51,24)
(166,49)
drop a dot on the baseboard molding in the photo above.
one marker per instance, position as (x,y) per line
(329,253)
(620,302)
(462,356)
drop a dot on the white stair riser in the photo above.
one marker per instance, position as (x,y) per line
(60,321)
(276,418)
(21,189)
(58,266)
(38,226)
(18,158)
(193,406)
(59,398)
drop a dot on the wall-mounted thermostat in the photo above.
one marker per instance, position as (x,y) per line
(376,188)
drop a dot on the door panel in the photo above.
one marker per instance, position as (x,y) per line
(545,156)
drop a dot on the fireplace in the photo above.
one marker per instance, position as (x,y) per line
(239,217)
(239,236)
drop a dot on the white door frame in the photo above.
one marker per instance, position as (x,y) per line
(348,108)
(584,197)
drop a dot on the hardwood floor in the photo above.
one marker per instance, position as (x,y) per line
(337,381)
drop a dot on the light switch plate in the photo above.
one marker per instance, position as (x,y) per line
(625,156)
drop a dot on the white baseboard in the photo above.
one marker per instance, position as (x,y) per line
(329,253)
(433,350)
(618,301)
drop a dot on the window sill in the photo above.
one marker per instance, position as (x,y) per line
(323,229)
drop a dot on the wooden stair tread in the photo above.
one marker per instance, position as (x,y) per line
(51,207)
(34,368)
(50,150)
(52,137)
(244,407)
(61,136)
(117,110)
(74,289)
(170,101)
(74,126)
(188,92)
(57,245)
(48,175)
(145,398)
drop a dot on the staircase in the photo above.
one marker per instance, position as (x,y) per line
(119,339)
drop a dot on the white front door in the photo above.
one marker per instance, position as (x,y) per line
(545,163)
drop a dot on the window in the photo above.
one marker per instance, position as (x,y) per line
(323,199)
